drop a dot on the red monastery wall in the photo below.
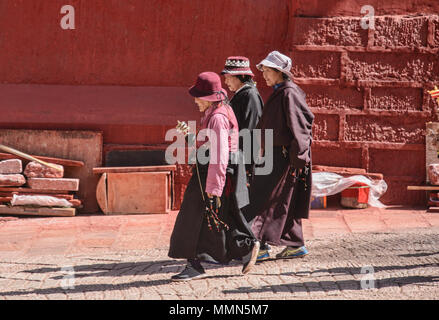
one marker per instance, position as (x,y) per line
(368,87)
(126,67)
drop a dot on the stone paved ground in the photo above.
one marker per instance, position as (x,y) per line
(125,257)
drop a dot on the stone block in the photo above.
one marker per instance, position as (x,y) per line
(384,129)
(397,31)
(333,97)
(36,170)
(337,156)
(410,67)
(12,180)
(12,166)
(325,127)
(396,99)
(397,162)
(316,64)
(53,184)
(338,31)
(397,192)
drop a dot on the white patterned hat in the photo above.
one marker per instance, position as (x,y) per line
(278,61)
(237,66)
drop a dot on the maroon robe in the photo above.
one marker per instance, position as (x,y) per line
(279,200)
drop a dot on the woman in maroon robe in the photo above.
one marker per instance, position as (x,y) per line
(221,234)
(280,200)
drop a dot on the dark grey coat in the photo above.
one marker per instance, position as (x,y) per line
(247,105)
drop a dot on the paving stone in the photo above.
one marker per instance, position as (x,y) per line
(405,263)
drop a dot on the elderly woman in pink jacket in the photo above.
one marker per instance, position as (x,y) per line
(210,226)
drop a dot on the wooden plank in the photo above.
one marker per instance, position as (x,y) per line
(43,211)
(70,184)
(433,209)
(101,193)
(415,188)
(85,146)
(31,191)
(348,171)
(339,170)
(134,169)
(64,162)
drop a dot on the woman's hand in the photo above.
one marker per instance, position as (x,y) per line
(215,201)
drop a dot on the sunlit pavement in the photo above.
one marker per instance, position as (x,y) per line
(354,254)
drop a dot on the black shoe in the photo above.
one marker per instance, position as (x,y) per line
(254,255)
(189,273)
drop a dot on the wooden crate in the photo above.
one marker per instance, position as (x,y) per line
(135,190)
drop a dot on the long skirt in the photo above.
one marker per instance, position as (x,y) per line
(193,239)
(278,202)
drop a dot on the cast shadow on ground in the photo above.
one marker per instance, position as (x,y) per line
(114,270)
(417,255)
(84,288)
(127,268)
(174,266)
(358,271)
(338,285)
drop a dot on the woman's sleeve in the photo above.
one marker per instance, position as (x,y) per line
(299,120)
(251,110)
(219,154)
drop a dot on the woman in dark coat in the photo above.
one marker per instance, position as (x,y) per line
(281,199)
(246,102)
(210,225)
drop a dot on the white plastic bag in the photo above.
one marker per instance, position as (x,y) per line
(42,201)
(328,183)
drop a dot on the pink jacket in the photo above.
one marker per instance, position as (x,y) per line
(222,122)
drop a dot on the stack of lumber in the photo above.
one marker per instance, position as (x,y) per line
(33,188)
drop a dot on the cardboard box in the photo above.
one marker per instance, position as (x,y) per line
(318,202)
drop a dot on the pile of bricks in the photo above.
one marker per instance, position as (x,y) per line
(34,181)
